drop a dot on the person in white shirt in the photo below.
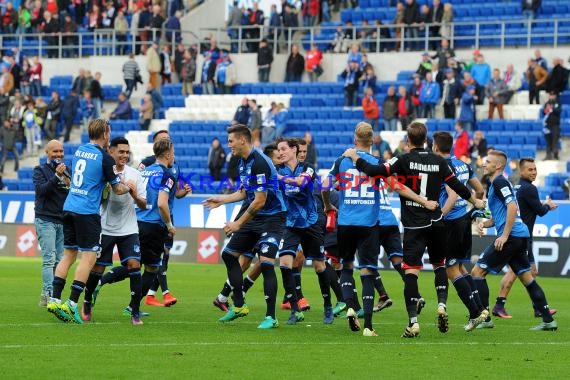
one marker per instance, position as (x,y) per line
(119,227)
(513,81)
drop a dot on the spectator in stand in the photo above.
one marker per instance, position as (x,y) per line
(513,81)
(371,109)
(216,159)
(165,68)
(415,92)
(256,19)
(97,95)
(311,158)
(461,143)
(255,121)
(108,15)
(134,27)
(173,27)
(384,33)
(354,54)
(208,74)
(9,19)
(243,113)
(536,77)
(467,108)
(226,75)
(529,9)
(397,22)
(121,27)
(558,79)
(339,42)
(51,30)
(144,27)
(380,146)
(424,26)
(310,11)
(406,108)
(425,66)
(9,135)
(16,113)
(188,73)
(351,76)
(435,17)
(264,61)
(146,111)
(87,108)
(24,20)
(156,22)
(443,54)
(68,112)
(402,147)
(411,19)
(131,71)
(539,59)
(94,18)
(496,91)
(123,110)
(290,20)
(481,73)
(295,66)
(36,77)
(437,75)
(552,111)
(390,110)
(153,64)
(429,96)
(281,120)
(37,16)
(368,79)
(468,81)
(79,82)
(314,63)
(53,115)
(478,150)
(268,125)
(32,130)
(69,40)
(25,88)
(157,102)
(451,94)
(6,81)
(274,31)
(233,25)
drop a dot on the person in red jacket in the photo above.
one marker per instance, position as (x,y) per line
(313,63)
(461,143)
(370,108)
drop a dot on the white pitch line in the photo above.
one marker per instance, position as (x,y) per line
(233,343)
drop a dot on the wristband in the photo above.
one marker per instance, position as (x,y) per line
(169,225)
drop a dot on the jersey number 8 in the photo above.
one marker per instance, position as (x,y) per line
(78,173)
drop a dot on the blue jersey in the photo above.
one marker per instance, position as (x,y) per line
(358,197)
(174,171)
(301,205)
(385,216)
(92,169)
(500,195)
(257,174)
(158,178)
(464,173)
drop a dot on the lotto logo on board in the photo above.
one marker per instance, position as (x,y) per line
(26,241)
(208,242)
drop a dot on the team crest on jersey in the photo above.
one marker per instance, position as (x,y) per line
(260,178)
(264,248)
(136,248)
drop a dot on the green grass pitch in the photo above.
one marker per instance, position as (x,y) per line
(185,341)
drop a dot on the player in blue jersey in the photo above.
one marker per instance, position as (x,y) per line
(510,246)
(181,192)
(119,228)
(304,227)
(259,229)
(155,222)
(358,224)
(92,170)
(530,207)
(458,226)
(245,260)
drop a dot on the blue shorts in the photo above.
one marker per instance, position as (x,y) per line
(514,254)
(82,232)
(128,247)
(311,240)
(391,240)
(262,236)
